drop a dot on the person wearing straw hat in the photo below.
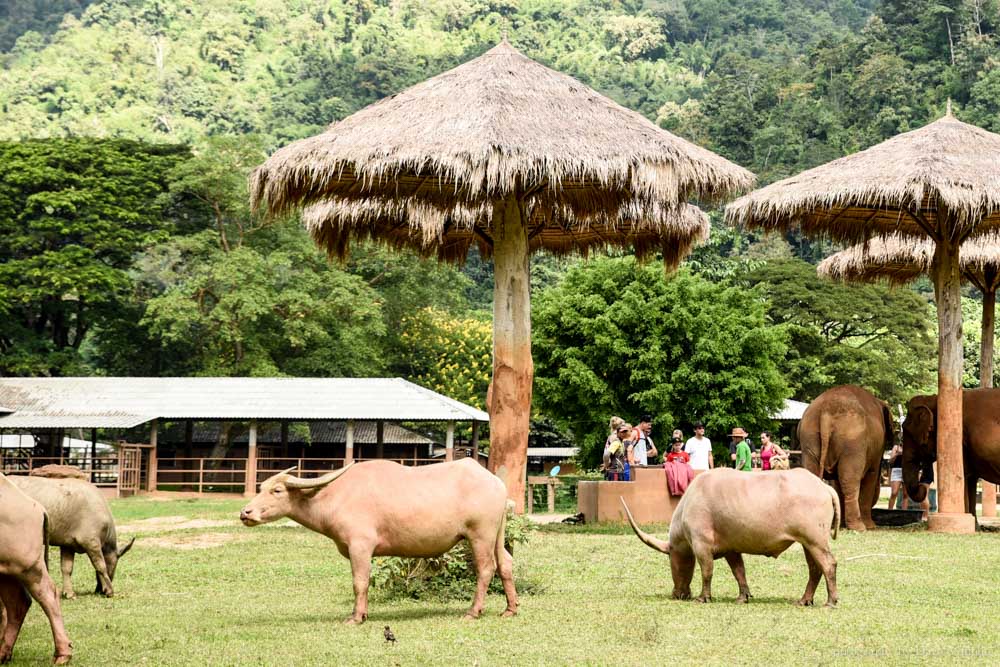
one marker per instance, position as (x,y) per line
(742,449)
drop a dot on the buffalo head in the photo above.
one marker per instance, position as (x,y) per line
(280,493)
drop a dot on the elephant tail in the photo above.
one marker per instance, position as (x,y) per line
(835,528)
(825,427)
(649,540)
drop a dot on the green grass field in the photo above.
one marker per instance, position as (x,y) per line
(200,589)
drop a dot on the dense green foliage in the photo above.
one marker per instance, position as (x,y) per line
(72,215)
(123,257)
(838,334)
(615,338)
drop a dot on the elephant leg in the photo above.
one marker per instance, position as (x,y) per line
(971,486)
(840,495)
(869,496)
(735,561)
(850,485)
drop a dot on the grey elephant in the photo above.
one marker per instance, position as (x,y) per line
(980,441)
(843,434)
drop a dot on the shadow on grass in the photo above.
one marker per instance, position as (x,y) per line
(727,600)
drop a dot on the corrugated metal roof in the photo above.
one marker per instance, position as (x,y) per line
(35,420)
(792,411)
(269,433)
(552,452)
(127,401)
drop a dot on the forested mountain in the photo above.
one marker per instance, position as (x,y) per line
(775,85)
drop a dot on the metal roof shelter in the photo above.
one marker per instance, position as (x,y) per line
(124,402)
(791,411)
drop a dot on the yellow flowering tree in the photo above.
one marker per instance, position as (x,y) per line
(451,355)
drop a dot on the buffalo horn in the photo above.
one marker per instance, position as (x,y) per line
(299,483)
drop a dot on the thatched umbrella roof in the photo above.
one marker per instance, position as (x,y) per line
(940,182)
(436,156)
(901,186)
(510,156)
(899,260)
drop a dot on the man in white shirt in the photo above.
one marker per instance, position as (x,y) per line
(699,448)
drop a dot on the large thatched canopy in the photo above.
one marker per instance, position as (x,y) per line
(422,168)
(900,260)
(509,156)
(901,186)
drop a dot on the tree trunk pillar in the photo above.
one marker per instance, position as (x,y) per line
(152,466)
(250,484)
(509,399)
(986,381)
(951,516)
(475,441)
(449,443)
(349,443)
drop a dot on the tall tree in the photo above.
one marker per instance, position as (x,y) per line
(73,213)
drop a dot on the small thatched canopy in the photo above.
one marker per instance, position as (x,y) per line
(901,186)
(423,167)
(900,260)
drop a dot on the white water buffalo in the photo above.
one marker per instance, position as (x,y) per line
(80,521)
(726,513)
(23,570)
(381,508)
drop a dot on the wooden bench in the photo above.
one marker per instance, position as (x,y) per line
(550,486)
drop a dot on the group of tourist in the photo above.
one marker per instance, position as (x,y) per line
(627,447)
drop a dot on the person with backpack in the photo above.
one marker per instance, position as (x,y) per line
(643,448)
(614,457)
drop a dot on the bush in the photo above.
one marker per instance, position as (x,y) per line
(447,577)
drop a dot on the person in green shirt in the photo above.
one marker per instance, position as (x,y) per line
(742,449)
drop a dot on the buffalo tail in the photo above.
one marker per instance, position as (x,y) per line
(836,510)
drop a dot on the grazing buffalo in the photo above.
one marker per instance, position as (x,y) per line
(80,521)
(23,570)
(726,513)
(381,508)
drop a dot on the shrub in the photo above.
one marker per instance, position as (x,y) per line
(447,577)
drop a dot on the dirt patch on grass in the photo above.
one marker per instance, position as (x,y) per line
(191,542)
(165,524)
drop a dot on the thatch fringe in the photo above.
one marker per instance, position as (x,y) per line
(947,169)
(496,125)
(449,233)
(899,260)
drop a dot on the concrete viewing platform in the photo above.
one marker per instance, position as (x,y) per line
(647,496)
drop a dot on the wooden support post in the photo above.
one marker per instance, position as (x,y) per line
(380,439)
(349,443)
(951,516)
(509,397)
(250,486)
(284,439)
(475,441)
(449,442)
(550,496)
(93,455)
(151,469)
(986,378)
(201,475)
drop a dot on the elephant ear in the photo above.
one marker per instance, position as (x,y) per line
(919,423)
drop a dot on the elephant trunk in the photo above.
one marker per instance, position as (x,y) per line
(911,474)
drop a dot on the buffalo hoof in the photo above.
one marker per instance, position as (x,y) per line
(508,613)
(703,598)
(68,595)
(682,595)
(832,604)
(745,599)
(5,655)
(61,659)
(351,620)
(805,602)
(469,616)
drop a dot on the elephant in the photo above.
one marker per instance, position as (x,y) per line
(980,441)
(842,435)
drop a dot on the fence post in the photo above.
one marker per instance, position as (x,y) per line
(349,444)
(250,486)
(151,469)
(449,442)
(551,497)
(201,475)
